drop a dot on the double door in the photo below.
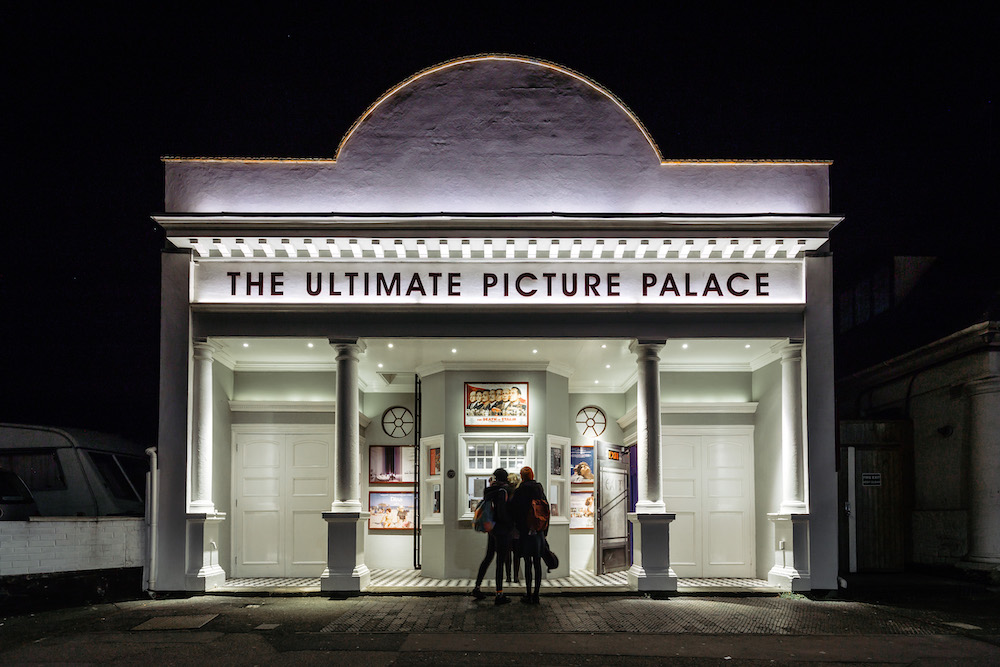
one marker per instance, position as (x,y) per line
(282,483)
(708,484)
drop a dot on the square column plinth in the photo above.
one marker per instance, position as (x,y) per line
(791,552)
(650,571)
(202,569)
(346,571)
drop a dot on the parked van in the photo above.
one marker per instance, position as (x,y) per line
(73,472)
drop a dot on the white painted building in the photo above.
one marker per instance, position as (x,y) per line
(493,221)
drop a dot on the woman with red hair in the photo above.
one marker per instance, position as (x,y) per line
(532,541)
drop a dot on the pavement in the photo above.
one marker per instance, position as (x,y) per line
(901,620)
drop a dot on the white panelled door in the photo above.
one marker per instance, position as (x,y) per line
(282,483)
(708,483)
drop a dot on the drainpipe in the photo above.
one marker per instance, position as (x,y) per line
(154,512)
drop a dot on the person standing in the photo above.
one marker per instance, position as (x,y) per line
(532,542)
(513,563)
(498,540)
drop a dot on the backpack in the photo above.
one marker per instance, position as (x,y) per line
(484,518)
(538,516)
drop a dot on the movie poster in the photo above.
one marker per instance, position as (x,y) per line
(496,403)
(581,459)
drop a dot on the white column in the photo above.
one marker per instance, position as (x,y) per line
(650,458)
(792,462)
(201,429)
(984,472)
(791,525)
(202,569)
(347,522)
(347,455)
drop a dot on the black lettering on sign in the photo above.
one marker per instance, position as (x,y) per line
(489,280)
(389,287)
(523,277)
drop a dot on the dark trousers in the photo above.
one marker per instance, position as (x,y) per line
(531,548)
(513,563)
(497,544)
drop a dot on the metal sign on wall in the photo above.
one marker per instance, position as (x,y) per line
(523,283)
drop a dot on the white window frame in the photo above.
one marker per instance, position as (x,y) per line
(494,440)
(428,482)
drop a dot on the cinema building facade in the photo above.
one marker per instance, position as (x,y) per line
(498,268)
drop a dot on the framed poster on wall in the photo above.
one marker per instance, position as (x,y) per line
(496,403)
(391,465)
(434,462)
(390,510)
(581,510)
(581,460)
(556,461)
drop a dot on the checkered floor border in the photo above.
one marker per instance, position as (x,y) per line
(390,581)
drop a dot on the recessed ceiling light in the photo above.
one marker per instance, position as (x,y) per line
(310,344)
(607,365)
(246,344)
(389,345)
(454,351)
(380,365)
(595,381)
(603,347)
(747,346)
(684,346)
(534,351)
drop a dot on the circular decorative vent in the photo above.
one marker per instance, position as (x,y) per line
(591,421)
(397,422)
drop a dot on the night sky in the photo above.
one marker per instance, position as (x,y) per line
(900,98)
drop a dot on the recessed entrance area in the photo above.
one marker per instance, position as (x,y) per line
(278,404)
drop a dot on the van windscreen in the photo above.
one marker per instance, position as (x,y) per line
(12,489)
(38,468)
(113,476)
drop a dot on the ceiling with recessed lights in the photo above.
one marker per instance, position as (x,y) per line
(591,365)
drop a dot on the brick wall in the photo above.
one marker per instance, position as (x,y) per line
(69,544)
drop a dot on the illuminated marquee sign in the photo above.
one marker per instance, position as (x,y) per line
(435,282)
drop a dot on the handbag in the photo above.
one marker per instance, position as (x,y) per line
(550,559)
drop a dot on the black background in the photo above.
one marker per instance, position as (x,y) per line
(899,97)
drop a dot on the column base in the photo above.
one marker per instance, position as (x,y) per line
(345,571)
(650,571)
(202,570)
(791,552)
(991,565)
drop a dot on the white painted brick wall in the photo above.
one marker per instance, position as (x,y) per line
(68,544)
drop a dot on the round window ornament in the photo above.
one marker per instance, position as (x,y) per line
(591,421)
(397,422)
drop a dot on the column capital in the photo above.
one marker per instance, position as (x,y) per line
(790,351)
(644,346)
(203,349)
(346,344)
(986,385)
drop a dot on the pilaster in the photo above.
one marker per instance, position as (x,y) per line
(202,569)
(651,571)
(345,569)
(984,474)
(791,552)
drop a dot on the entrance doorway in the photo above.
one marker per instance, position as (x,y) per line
(708,483)
(282,483)
(611,529)
(874,459)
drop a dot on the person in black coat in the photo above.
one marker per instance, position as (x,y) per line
(532,543)
(498,540)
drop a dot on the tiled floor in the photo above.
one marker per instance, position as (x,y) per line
(410,581)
